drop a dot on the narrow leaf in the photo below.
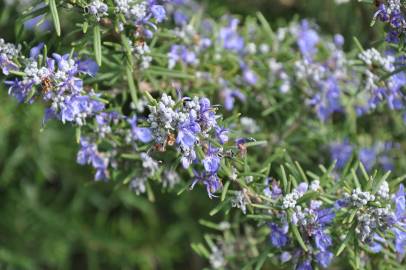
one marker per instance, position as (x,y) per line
(55,17)
(97,44)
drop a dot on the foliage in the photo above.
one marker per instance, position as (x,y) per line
(293,135)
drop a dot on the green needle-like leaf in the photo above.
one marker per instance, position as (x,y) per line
(97,44)
(55,17)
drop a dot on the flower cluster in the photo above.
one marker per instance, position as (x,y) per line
(378,91)
(323,78)
(391,13)
(98,9)
(310,220)
(378,154)
(56,80)
(141,14)
(8,53)
(191,125)
(379,218)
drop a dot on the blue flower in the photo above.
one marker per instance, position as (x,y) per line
(274,191)
(279,235)
(325,216)
(207,116)
(305,265)
(230,96)
(211,181)
(249,76)
(341,153)
(324,258)
(368,157)
(179,53)
(211,162)
(221,134)
(188,158)
(180,17)
(142,134)
(88,67)
(186,137)
(400,214)
(36,51)
(307,40)
(322,240)
(6,64)
(229,37)
(77,108)
(88,154)
(158,12)
(339,40)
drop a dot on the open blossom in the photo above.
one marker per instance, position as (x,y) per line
(180,53)
(230,96)
(229,37)
(142,134)
(89,154)
(307,40)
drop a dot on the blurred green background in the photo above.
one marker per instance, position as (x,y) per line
(54,216)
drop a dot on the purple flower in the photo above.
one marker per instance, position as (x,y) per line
(77,108)
(302,188)
(211,162)
(285,256)
(400,214)
(400,203)
(322,240)
(180,17)
(221,134)
(279,235)
(88,67)
(38,23)
(211,181)
(338,40)
(230,96)
(229,37)
(142,134)
(274,191)
(324,258)
(368,157)
(88,154)
(188,158)
(36,51)
(179,53)
(249,76)
(307,40)
(327,101)
(341,153)
(19,89)
(376,245)
(186,137)
(325,216)
(207,116)
(305,265)
(158,12)
(6,64)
